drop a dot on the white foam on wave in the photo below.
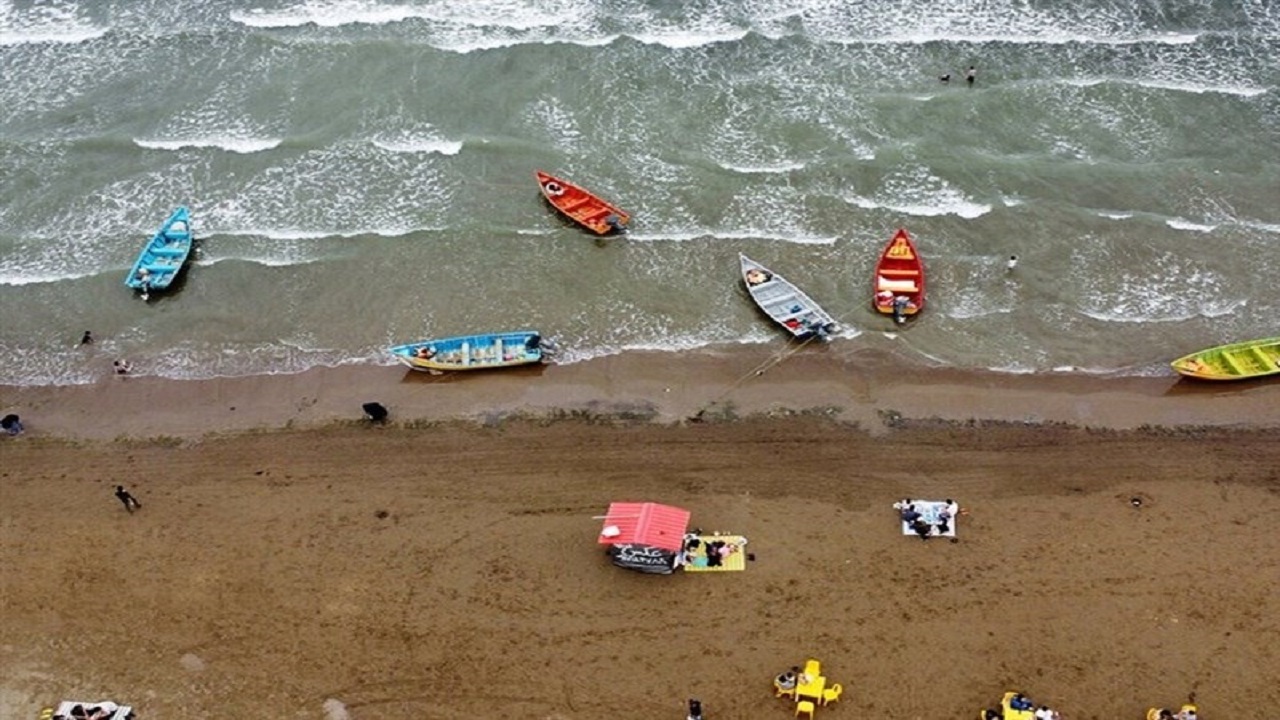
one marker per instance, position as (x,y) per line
(421,145)
(474,13)
(239,145)
(914,190)
(777,169)
(1175,85)
(44,23)
(683,343)
(1114,215)
(1047,37)
(1184,224)
(35,276)
(683,39)
(797,237)
(305,234)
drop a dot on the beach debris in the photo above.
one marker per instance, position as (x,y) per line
(375,412)
(335,710)
(191,663)
(1135,501)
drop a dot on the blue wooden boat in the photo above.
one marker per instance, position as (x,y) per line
(475,352)
(163,257)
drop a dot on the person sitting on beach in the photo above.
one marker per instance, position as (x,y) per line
(1044,713)
(788,679)
(992,714)
(944,521)
(713,553)
(122,367)
(921,528)
(1187,713)
(1020,702)
(695,709)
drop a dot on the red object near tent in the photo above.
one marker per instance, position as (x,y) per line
(651,524)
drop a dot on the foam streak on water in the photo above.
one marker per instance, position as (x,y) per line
(361,174)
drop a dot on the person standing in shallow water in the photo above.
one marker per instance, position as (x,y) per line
(970,75)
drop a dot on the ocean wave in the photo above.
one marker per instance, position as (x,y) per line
(1046,38)
(683,40)
(1114,215)
(229,144)
(747,234)
(1163,309)
(957,206)
(336,13)
(305,234)
(776,169)
(25,276)
(1184,224)
(420,145)
(1178,86)
(913,190)
(45,24)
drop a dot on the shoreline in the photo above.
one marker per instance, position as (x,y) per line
(866,388)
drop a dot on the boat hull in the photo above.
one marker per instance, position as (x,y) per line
(898,283)
(164,256)
(582,206)
(474,352)
(783,302)
(1237,361)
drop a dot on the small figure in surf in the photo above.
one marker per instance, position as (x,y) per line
(971,75)
(945,78)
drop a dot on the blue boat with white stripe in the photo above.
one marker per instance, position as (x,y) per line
(475,352)
(164,256)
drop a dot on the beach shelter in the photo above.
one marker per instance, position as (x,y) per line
(647,537)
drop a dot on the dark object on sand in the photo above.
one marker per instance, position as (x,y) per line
(375,412)
(11,424)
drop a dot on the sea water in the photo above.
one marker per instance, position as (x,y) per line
(360,174)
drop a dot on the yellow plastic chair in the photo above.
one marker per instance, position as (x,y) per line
(832,694)
(812,668)
(804,706)
(46,713)
(779,691)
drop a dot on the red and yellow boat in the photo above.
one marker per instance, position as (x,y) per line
(899,279)
(583,207)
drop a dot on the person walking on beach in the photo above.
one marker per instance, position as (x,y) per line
(971,75)
(1013,263)
(130,502)
(86,338)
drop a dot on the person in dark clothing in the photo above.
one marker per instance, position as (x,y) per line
(87,338)
(130,502)
(922,528)
(695,709)
(945,78)
(970,75)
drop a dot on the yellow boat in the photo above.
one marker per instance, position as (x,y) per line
(1238,361)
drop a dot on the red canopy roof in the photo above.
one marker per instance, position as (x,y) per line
(660,526)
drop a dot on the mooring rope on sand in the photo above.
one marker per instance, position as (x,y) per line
(762,368)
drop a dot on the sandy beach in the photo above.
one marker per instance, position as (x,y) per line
(290,561)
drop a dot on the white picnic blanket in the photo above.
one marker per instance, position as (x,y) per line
(930,511)
(106,710)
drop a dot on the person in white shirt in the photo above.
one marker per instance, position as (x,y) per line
(1044,713)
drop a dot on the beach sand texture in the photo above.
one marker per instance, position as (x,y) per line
(437,569)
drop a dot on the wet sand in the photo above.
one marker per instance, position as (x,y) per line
(446,566)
